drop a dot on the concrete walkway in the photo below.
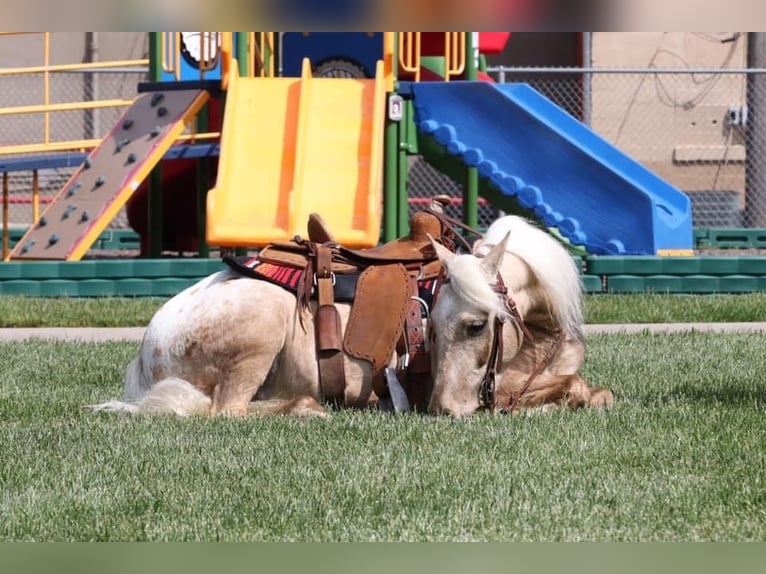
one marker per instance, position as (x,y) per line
(136,333)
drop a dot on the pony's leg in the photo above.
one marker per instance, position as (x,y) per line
(566,390)
(232,396)
(303,406)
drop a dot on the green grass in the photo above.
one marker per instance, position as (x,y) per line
(42,312)
(16,311)
(679,457)
(665,308)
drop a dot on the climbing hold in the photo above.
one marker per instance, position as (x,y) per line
(87,163)
(131,158)
(157,98)
(121,144)
(68,211)
(156,130)
(84,217)
(28,245)
(162,111)
(100,180)
(127,124)
(53,239)
(72,190)
(43,222)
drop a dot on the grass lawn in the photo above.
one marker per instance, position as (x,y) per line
(76,312)
(679,457)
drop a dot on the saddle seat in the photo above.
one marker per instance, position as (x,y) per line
(413,251)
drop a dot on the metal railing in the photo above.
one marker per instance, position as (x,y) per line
(49,109)
(410,47)
(260,50)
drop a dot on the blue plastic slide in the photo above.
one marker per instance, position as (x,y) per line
(533,151)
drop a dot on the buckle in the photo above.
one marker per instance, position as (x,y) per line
(332,276)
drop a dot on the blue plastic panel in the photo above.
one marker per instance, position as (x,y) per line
(550,162)
(362,48)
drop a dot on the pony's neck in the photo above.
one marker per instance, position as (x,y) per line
(525,291)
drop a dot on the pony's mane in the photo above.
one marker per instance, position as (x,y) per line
(550,262)
(472,285)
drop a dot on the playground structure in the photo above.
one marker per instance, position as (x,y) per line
(289,142)
(277,125)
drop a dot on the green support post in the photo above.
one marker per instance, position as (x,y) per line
(391,191)
(471,190)
(154,205)
(241,39)
(403,211)
(390,181)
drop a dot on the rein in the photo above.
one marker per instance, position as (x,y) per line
(487,387)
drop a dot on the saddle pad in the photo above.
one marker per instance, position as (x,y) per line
(290,277)
(377,315)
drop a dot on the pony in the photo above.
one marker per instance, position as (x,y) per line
(519,275)
(236,345)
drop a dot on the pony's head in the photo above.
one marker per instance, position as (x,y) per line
(462,328)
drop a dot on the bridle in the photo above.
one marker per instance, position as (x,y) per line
(487,399)
(487,395)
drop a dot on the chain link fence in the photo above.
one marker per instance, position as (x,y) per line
(26,52)
(697,129)
(65,87)
(694,129)
(700,130)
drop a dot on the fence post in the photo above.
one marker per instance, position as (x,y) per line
(755,160)
(90,87)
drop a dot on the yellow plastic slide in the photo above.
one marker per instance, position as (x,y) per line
(293,146)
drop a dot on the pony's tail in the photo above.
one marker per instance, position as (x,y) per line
(169,396)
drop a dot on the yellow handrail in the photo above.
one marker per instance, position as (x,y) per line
(228,63)
(409,53)
(65,107)
(260,50)
(83,67)
(454,54)
(388,60)
(171,53)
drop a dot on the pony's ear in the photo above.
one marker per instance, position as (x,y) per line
(445,255)
(491,262)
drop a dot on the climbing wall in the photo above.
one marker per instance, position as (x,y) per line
(108,177)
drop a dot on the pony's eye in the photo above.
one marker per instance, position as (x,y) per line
(475,328)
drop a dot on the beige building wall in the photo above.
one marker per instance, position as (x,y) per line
(674,124)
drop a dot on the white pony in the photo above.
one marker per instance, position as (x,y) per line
(234,345)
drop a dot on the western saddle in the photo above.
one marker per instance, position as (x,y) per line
(388,303)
